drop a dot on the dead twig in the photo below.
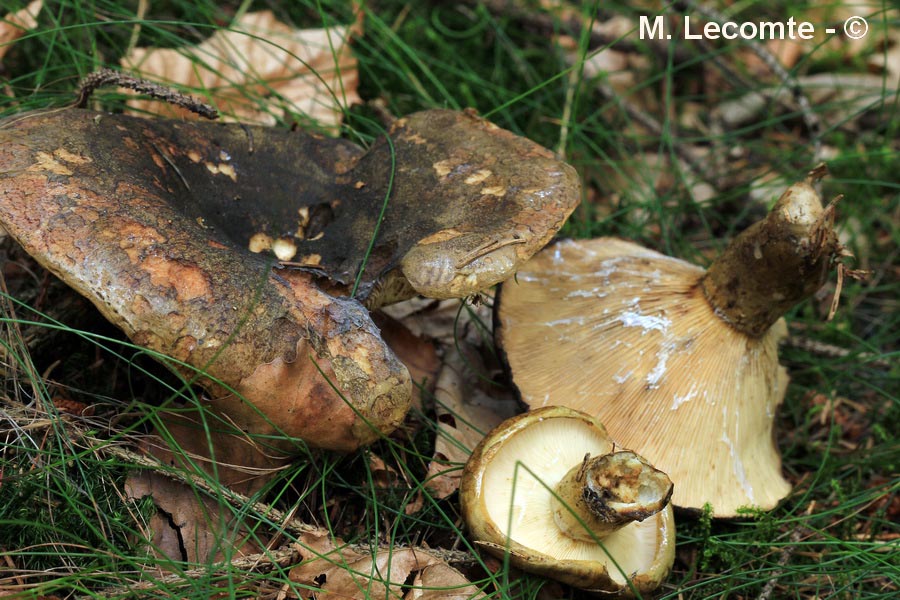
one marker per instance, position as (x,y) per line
(687,159)
(283,520)
(783,559)
(105,77)
(810,118)
(832,351)
(252,563)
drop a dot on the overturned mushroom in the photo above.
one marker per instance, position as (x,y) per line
(678,361)
(548,489)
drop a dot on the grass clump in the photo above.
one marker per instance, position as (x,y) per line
(661,165)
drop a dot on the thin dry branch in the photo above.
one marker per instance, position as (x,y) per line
(831,351)
(252,563)
(283,520)
(106,77)
(687,159)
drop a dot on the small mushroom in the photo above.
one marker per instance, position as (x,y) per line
(548,489)
(679,361)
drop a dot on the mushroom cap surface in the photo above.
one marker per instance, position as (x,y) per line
(109,204)
(465,202)
(155,221)
(471,201)
(506,501)
(625,333)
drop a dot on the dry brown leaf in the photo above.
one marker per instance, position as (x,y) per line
(888,60)
(73,407)
(464,414)
(257,69)
(16,24)
(334,570)
(444,321)
(186,526)
(189,526)
(417,352)
(383,475)
(442,582)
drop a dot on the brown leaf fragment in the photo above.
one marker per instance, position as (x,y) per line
(331,569)
(190,525)
(384,476)
(186,527)
(72,407)
(257,69)
(414,505)
(16,24)
(464,414)
(416,352)
(442,582)
(445,322)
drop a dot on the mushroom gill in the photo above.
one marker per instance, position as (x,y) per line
(679,363)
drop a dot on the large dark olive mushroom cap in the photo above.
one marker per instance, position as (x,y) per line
(153,220)
(467,202)
(103,202)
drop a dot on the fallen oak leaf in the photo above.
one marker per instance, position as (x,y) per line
(440,581)
(16,24)
(330,568)
(256,67)
(464,414)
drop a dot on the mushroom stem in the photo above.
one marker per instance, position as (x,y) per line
(605,493)
(775,263)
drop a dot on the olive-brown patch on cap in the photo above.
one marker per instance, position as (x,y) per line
(159,242)
(465,202)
